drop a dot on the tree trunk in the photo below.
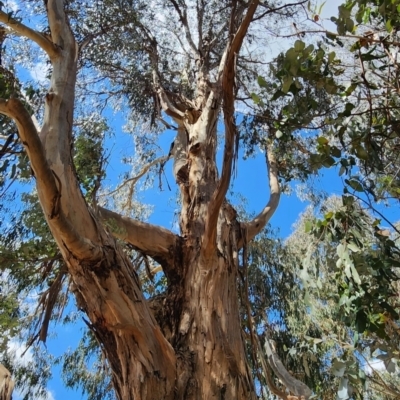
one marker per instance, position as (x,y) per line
(199,315)
(208,331)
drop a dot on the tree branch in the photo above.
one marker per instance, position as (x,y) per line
(184,21)
(365,37)
(297,387)
(60,30)
(166,103)
(142,172)
(47,182)
(272,10)
(254,227)
(226,78)
(39,38)
(154,241)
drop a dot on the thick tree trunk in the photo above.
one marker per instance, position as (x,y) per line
(208,332)
(142,362)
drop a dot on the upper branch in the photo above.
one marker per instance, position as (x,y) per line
(46,181)
(300,389)
(142,172)
(252,228)
(200,19)
(183,18)
(154,241)
(226,77)
(39,38)
(167,104)
(273,10)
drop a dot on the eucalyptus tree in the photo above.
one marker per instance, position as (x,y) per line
(183,64)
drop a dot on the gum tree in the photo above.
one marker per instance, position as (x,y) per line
(187,343)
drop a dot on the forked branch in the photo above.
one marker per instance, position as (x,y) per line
(47,182)
(184,20)
(39,38)
(254,227)
(132,181)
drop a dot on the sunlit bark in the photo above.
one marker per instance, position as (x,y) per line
(6,384)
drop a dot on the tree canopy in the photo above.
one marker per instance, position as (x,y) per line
(218,304)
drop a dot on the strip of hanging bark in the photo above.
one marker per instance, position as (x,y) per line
(50,302)
(256,348)
(6,383)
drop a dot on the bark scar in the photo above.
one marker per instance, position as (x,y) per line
(56,199)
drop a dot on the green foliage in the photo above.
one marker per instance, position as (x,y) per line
(331,309)
(89,153)
(349,259)
(366,268)
(85,369)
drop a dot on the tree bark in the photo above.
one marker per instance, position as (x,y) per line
(6,383)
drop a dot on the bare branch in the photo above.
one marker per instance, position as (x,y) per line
(183,18)
(39,38)
(47,182)
(226,78)
(200,19)
(272,10)
(252,228)
(154,241)
(143,171)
